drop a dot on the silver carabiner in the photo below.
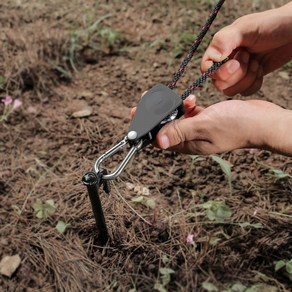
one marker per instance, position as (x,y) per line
(134,149)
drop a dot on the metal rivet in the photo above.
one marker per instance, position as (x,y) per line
(132,135)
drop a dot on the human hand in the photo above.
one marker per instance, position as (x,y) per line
(226,126)
(256,44)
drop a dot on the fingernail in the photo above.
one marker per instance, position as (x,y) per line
(233,66)
(214,54)
(191,98)
(164,142)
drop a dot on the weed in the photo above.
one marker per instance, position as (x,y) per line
(184,41)
(236,287)
(276,173)
(226,168)
(44,210)
(94,37)
(164,279)
(16,209)
(224,164)
(145,201)
(210,287)
(217,211)
(285,267)
(61,226)
(2,82)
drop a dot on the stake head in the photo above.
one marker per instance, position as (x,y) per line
(90,178)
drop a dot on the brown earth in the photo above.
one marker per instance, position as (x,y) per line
(59,57)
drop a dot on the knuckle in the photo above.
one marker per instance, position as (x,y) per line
(178,133)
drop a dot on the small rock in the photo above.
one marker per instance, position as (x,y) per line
(85,94)
(85,112)
(139,190)
(130,186)
(9,265)
(284,75)
(32,110)
(145,191)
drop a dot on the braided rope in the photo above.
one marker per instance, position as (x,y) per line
(193,49)
(198,83)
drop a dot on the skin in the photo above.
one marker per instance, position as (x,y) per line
(254,50)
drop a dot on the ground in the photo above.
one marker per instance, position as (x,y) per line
(59,57)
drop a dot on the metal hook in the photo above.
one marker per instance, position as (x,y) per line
(134,149)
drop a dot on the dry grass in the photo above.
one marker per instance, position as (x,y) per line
(43,46)
(45,153)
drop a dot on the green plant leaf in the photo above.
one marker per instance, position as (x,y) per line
(197,158)
(2,81)
(61,226)
(214,240)
(278,173)
(261,287)
(42,211)
(238,287)
(145,201)
(225,167)
(165,259)
(16,209)
(289,267)
(138,199)
(217,211)
(159,287)
(247,224)
(210,287)
(279,265)
(150,203)
(224,164)
(166,271)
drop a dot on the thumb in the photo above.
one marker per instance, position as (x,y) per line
(176,132)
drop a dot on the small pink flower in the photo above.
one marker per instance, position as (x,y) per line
(17,103)
(7,100)
(190,239)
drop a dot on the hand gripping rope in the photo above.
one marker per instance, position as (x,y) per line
(157,107)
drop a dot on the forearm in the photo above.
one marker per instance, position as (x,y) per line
(278,25)
(271,27)
(280,138)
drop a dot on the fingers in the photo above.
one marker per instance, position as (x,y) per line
(246,78)
(240,74)
(172,134)
(133,111)
(256,83)
(245,83)
(223,44)
(233,71)
(190,106)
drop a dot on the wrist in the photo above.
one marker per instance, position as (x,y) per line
(268,126)
(280,140)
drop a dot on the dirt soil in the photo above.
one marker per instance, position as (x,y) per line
(61,57)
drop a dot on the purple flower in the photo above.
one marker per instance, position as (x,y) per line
(17,103)
(7,100)
(190,239)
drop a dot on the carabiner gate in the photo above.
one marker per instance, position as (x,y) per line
(133,150)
